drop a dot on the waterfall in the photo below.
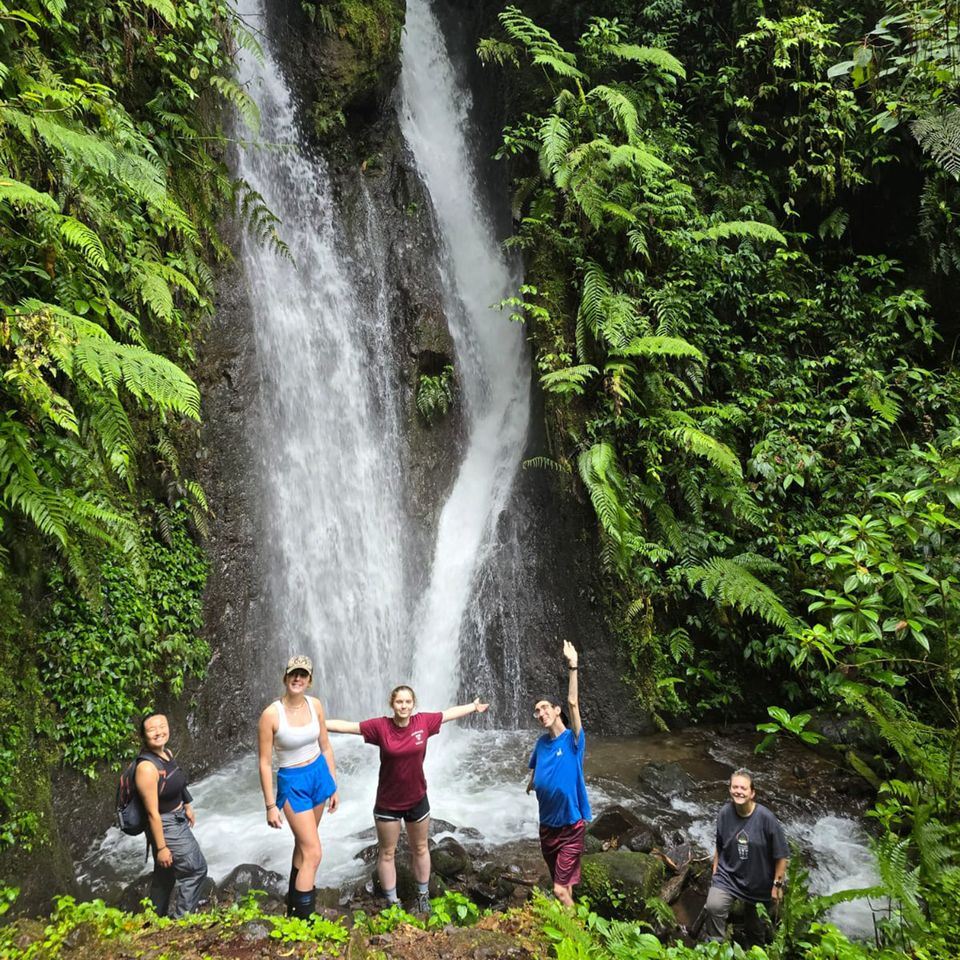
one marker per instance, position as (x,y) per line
(492,368)
(329,436)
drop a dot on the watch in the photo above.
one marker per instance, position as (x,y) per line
(778,884)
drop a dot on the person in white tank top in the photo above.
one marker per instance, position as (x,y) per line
(294,729)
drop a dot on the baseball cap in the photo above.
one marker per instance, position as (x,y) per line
(299,662)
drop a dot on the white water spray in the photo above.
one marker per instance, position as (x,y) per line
(491,359)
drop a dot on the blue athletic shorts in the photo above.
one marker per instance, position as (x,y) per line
(305,787)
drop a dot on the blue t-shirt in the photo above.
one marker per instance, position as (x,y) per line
(557,765)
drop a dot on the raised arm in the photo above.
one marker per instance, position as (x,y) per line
(326,748)
(573,703)
(266,729)
(456,713)
(343,726)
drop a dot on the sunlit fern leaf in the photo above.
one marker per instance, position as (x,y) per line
(176,277)
(673,347)
(154,292)
(653,56)
(732,584)
(24,197)
(559,66)
(547,463)
(163,8)
(79,235)
(638,242)
(939,137)
(245,105)
(623,111)
(703,445)
(741,230)
(619,213)
(56,9)
(246,39)
(554,136)
(491,50)
(883,402)
(110,423)
(639,157)
(569,379)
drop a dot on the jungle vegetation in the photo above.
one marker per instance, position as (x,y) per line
(742,230)
(741,227)
(112,183)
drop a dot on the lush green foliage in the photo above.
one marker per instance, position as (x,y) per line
(734,293)
(111,185)
(435,394)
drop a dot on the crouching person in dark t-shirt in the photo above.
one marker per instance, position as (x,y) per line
(749,862)
(557,777)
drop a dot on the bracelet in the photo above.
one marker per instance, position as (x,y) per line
(270,806)
(778,884)
(164,847)
(572,668)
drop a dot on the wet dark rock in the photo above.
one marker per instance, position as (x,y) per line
(665,779)
(613,822)
(643,838)
(619,882)
(449,858)
(249,876)
(592,844)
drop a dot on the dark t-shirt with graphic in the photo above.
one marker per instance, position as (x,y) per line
(747,848)
(402,784)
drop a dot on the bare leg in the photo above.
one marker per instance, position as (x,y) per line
(417,834)
(564,894)
(388,834)
(306,851)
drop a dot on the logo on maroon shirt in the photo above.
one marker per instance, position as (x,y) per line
(417,735)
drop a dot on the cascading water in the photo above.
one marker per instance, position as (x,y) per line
(329,429)
(491,360)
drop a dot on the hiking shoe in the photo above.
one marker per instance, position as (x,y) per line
(422,904)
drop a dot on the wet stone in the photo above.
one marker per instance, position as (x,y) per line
(615,821)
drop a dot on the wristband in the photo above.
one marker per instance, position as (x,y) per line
(778,884)
(270,806)
(571,668)
(164,847)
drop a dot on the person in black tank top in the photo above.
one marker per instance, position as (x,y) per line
(177,858)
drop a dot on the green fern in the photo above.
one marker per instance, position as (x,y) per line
(730,583)
(741,230)
(653,56)
(656,346)
(568,379)
(244,104)
(939,137)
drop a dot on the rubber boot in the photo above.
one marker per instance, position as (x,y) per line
(291,889)
(301,904)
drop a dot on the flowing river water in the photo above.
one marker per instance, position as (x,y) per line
(335,535)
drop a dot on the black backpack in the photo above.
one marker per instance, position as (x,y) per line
(131,814)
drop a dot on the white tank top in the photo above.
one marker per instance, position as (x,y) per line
(296,745)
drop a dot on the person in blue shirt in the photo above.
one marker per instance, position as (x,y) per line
(556,766)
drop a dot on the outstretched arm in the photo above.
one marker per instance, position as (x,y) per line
(326,748)
(455,713)
(343,726)
(573,704)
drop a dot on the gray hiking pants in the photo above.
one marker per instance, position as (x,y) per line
(717,908)
(188,872)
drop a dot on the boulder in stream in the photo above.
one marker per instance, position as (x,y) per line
(619,882)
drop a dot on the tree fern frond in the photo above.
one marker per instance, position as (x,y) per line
(939,137)
(673,347)
(654,56)
(22,195)
(546,463)
(741,230)
(732,584)
(79,235)
(163,8)
(717,453)
(623,111)
(245,105)
(569,379)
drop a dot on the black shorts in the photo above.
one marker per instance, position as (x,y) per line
(419,811)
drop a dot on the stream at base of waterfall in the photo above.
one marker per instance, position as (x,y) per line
(476,780)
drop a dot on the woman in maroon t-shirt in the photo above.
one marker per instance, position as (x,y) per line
(402,788)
